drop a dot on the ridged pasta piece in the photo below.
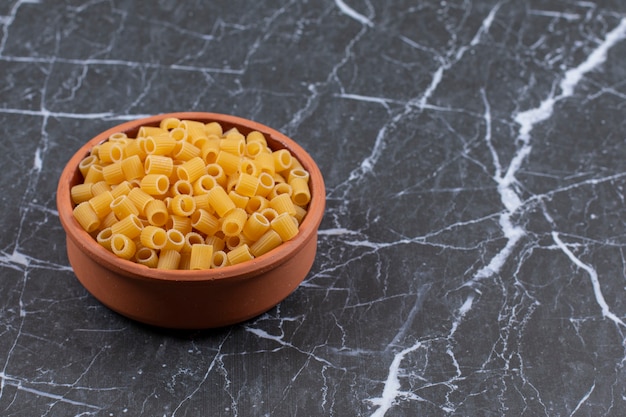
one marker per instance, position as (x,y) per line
(219,259)
(232,242)
(155,184)
(217,172)
(239,255)
(301,194)
(94,174)
(147,256)
(234,144)
(234,221)
(282,160)
(175,240)
(268,241)
(247,184)
(185,151)
(168,259)
(132,167)
(181,223)
(101,203)
(229,162)
(122,188)
(286,226)
(280,188)
(169,123)
(185,260)
(255,226)
(253,149)
(156,212)
(140,199)
(122,206)
(269,213)
(104,238)
(160,144)
(217,242)
(86,163)
(192,238)
(145,131)
(192,169)
(282,204)
(108,220)
(266,184)
(181,187)
(183,205)
(201,255)
(241,201)
(205,222)
(257,203)
(203,184)
(202,202)
(195,130)
(209,151)
(158,164)
(265,163)
(81,192)
(113,173)
(122,246)
(130,226)
(100,187)
(300,213)
(179,134)
(86,217)
(153,237)
(219,200)
(213,128)
(256,136)
(247,166)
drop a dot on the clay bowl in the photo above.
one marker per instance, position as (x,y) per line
(192,299)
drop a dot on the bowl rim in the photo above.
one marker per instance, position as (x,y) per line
(248,269)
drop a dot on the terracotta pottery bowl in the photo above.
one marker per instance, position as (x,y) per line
(184,299)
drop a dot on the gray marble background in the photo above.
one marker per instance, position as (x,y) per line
(472,256)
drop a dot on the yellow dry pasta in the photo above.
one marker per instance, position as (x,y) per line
(201,255)
(190,195)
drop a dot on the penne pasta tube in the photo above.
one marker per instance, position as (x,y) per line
(81,192)
(156,212)
(86,217)
(130,226)
(239,254)
(147,256)
(183,205)
(201,255)
(268,241)
(175,240)
(282,160)
(123,207)
(168,259)
(286,226)
(158,164)
(255,226)
(219,259)
(234,221)
(153,237)
(219,200)
(122,246)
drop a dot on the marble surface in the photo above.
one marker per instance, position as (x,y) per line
(472,258)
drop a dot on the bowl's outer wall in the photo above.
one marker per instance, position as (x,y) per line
(192,299)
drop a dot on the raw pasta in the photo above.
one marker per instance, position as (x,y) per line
(189,195)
